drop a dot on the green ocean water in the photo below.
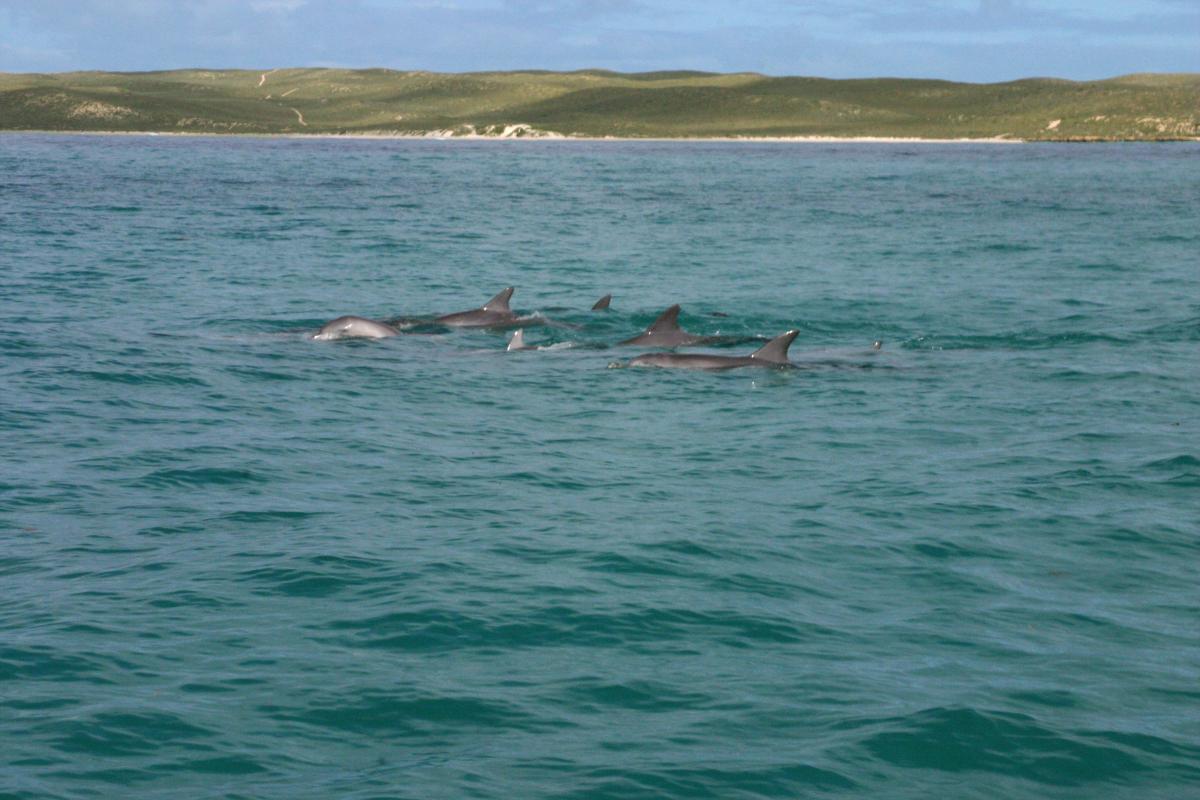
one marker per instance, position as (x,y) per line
(237,563)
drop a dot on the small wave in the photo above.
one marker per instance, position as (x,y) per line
(43,663)
(186,598)
(728,780)
(257,373)
(139,378)
(374,713)
(1177,462)
(205,476)
(969,740)
(1185,469)
(1184,330)
(946,550)
(297,582)
(268,517)
(1023,340)
(1085,376)
(240,764)
(437,629)
(545,481)
(317,576)
(650,696)
(624,565)
(112,733)
(1008,247)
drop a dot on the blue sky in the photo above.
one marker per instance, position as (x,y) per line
(972,40)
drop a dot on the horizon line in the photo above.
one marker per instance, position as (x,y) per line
(581,70)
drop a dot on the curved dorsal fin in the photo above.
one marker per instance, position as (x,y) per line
(667,321)
(602,303)
(775,351)
(517,342)
(500,301)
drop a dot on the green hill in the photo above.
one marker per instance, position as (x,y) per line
(598,103)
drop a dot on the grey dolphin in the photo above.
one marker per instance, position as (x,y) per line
(495,313)
(771,354)
(602,303)
(350,327)
(665,332)
(517,341)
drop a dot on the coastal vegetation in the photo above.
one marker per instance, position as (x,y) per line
(598,103)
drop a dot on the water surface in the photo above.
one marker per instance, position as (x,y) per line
(238,563)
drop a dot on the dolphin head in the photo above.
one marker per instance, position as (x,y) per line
(334,330)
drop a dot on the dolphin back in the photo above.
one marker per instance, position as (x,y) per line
(776,350)
(499,303)
(668,321)
(350,327)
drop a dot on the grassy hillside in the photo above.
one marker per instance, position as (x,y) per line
(597,103)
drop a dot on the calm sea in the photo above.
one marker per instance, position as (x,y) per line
(237,563)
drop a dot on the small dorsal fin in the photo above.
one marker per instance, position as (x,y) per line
(776,350)
(667,321)
(877,344)
(602,303)
(500,301)
(517,341)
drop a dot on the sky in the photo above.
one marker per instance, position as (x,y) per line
(967,40)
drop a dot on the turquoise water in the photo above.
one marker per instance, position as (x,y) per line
(238,563)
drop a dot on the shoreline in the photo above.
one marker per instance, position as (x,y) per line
(474,137)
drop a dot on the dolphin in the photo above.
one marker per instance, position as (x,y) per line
(602,303)
(665,332)
(350,327)
(517,342)
(771,354)
(495,313)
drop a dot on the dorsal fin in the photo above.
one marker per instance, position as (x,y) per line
(667,321)
(517,342)
(602,303)
(500,301)
(775,351)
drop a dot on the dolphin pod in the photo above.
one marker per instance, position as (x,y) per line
(664,332)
